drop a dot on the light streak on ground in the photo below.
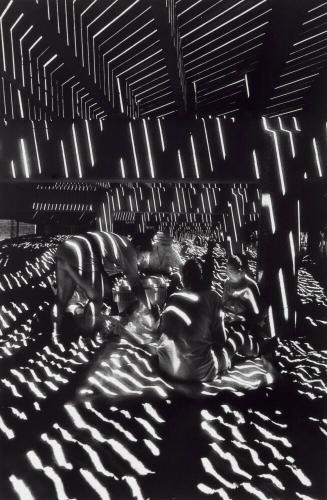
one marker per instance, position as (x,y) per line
(22,490)
(95,484)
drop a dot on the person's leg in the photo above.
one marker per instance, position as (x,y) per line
(91,287)
(92,314)
(246,343)
(67,280)
(238,342)
(65,289)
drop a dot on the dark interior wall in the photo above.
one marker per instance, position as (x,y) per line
(212,149)
(219,156)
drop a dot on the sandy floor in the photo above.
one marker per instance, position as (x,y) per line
(96,420)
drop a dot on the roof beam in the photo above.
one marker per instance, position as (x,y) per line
(67,56)
(282,31)
(166,24)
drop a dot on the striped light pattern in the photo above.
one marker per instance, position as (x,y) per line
(154,60)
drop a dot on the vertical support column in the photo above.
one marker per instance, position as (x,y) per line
(166,24)
(278,238)
(104,217)
(239,208)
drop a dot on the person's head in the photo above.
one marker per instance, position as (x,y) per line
(143,247)
(192,274)
(175,279)
(235,268)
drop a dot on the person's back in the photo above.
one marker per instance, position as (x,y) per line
(164,256)
(91,251)
(189,327)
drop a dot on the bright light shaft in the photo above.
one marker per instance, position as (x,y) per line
(318,164)
(89,142)
(1,30)
(221,138)
(77,153)
(195,159)
(148,148)
(25,161)
(134,151)
(266,202)
(208,145)
(12,44)
(36,149)
(297,128)
(271,322)
(64,159)
(232,214)
(247,85)
(283,293)
(13,171)
(281,126)
(20,104)
(120,96)
(161,135)
(256,166)
(292,248)
(279,162)
(122,168)
(180,164)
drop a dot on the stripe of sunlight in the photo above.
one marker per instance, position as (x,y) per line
(224,45)
(12,44)
(237,29)
(107,26)
(199,26)
(229,58)
(207,33)
(87,33)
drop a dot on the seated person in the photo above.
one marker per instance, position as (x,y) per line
(189,327)
(184,248)
(241,299)
(164,257)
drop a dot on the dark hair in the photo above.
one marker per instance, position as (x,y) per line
(143,241)
(236,263)
(175,279)
(192,274)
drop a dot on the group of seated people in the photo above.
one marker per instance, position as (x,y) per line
(198,333)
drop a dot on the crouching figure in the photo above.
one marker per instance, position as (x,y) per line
(194,344)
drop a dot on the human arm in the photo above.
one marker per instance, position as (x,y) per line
(251,301)
(130,267)
(217,327)
(138,289)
